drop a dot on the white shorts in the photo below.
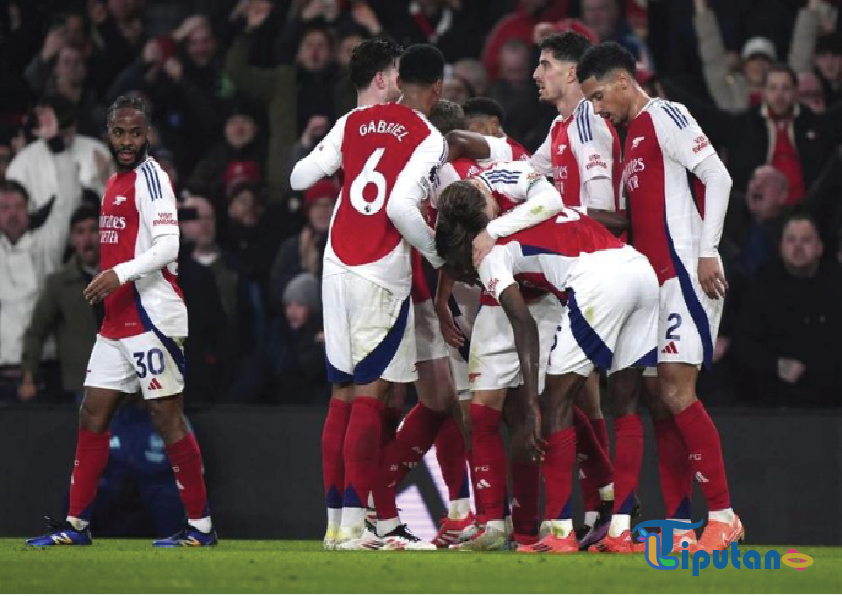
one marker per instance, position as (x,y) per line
(150,363)
(494,362)
(369,332)
(612,315)
(688,321)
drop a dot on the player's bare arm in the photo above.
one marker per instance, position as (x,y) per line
(449,329)
(526,341)
(462,143)
(615,222)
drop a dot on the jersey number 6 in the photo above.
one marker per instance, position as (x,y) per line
(369,175)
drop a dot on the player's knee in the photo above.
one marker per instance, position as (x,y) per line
(92,418)
(168,421)
(676,395)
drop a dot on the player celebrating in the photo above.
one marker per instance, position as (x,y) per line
(486,116)
(389,153)
(612,307)
(140,344)
(678,191)
(374,73)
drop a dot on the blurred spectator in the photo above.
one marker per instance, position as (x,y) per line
(166,159)
(347,38)
(513,88)
(7,150)
(544,30)
(119,35)
(62,311)
(35,165)
(757,233)
(828,61)
(303,252)
(27,257)
(811,92)
(66,75)
(780,132)
(240,144)
(731,91)
(298,344)
(251,236)
(293,94)
(457,89)
(240,298)
(603,16)
(443,23)
(473,72)
(788,321)
(519,25)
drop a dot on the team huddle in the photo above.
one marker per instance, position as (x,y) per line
(436,201)
(502,284)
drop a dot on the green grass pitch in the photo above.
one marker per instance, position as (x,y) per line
(121,566)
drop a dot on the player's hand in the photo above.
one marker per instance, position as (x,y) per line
(712,278)
(790,370)
(47,127)
(101,286)
(28,389)
(257,13)
(532,438)
(483,244)
(449,329)
(720,348)
(187,27)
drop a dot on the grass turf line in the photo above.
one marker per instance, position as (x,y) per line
(302,566)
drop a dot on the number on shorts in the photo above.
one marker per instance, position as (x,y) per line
(369,175)
(675,319)
(555,339)
(567,215)
(149,362)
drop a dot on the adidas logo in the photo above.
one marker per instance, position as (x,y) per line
(154,384)
(670,348)
(700,478)
(483,484)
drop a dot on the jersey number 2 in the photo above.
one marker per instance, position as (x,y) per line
(369,175)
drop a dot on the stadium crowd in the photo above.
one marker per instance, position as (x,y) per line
(241,90)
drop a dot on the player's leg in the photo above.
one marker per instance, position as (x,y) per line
(689,322)
(526,473)
(674,471)
(110,377)
(333,464)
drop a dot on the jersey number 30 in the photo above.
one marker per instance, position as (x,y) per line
(369,175)
(149,362)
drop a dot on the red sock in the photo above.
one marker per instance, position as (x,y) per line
(628,457)
(704,451)
(478,508)
(489,463)
(186,461)
(414,439)
(450,453)
(674,470)
(362,450)
(90,462)
(526,489)
(333,464)
(559,459)
(595,462)
(391,422)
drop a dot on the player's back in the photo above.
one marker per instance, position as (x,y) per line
(377,145)
(666,200)
(136,207)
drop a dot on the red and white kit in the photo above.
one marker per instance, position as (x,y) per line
(390,155)
(673,224)
(610,289)
(140,344)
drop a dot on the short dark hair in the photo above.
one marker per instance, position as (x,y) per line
(83,213)
(461,216)
(13,186)
(601,59)
(447,115)
(484,106)
(566,47)
(421,64)
(129,101)
(370,57)
(801,215)
(779,67)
